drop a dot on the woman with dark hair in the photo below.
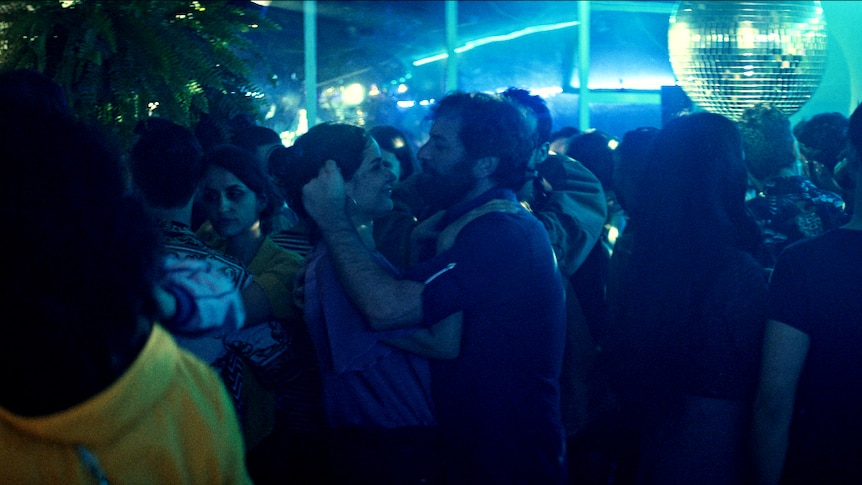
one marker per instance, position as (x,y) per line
(689,314)
(240,202)
(376,396)
(94,388)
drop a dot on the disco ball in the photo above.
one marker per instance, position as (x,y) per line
(728,56)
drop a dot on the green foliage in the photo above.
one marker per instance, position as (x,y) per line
(118,58)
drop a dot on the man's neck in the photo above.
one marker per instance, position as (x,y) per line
(481,186)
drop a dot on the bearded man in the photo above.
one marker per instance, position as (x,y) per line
(491,266)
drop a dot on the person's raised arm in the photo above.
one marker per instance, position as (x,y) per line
(784,352)
(385,301)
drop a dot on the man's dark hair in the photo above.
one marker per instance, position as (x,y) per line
(595,150)
(538,107)
(767,139)
(490,127)
(166,165)
(822,138)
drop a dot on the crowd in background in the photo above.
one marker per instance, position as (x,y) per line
(504,303)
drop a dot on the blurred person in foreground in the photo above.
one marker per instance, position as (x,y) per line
(96,390)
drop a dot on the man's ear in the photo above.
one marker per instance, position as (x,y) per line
(484,167)
(543,150)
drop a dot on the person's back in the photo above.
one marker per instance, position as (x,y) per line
(689,309)
(100,392)
(807,421)
(815,288)
(166,166)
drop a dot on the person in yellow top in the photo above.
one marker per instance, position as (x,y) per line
(94,391)
(240,202)
(167,419)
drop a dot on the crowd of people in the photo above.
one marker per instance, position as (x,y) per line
(502,304)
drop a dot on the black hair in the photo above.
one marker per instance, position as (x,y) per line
(253,136)
(696,157)
(822,138)
(595,149)
(537,106)
(166,165)
(490,127)
(854,128)
(245,166)
(564,132)
(631,160)
(301,162)
(41,93)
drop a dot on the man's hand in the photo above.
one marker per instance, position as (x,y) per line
(427,229)
(324,196)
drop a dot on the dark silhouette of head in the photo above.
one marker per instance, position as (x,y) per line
(595,149)
(854,129)
(631,161)
(822,138)
(37,90)
(83,265)
(693,188)
(166,164)
(539,109)
(560,138)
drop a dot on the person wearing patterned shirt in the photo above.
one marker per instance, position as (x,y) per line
(788,207)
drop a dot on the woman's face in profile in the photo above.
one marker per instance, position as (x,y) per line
(231,206)
(371,185)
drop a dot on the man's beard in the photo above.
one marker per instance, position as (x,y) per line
(442,191)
